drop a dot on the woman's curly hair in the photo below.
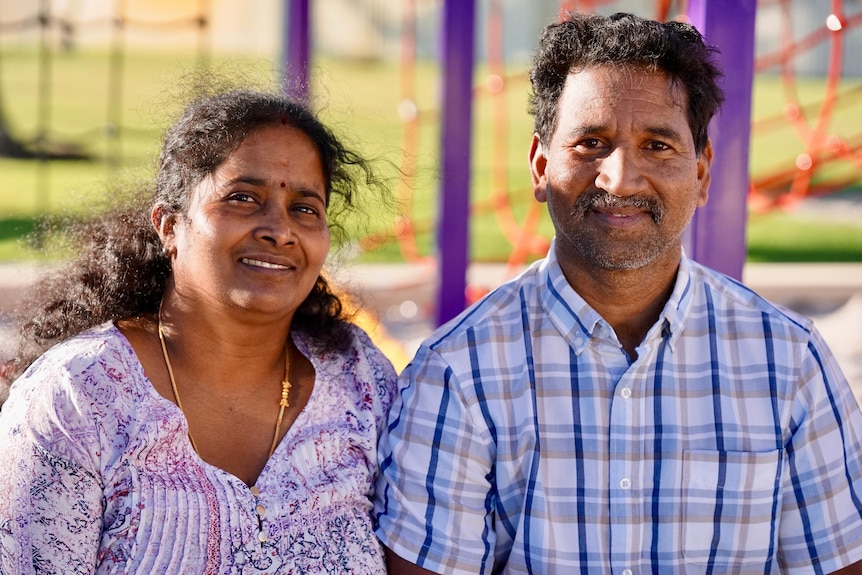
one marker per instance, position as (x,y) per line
(120,271)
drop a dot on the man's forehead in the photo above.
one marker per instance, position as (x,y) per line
(599,94)
(612,80)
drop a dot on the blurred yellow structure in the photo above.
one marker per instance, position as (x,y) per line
(370,322)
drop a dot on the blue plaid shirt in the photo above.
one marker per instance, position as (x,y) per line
(523,440)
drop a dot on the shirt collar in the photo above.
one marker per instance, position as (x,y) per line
(566,309)
(577,321)
(672,317)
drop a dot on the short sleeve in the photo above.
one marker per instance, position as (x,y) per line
(434,496)
(50,495)
(821,517)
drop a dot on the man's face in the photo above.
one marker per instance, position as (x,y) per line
(620,174)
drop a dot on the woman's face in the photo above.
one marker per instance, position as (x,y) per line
(255,236)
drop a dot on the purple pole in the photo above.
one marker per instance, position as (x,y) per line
(296,48)
(716,236)
(453,244)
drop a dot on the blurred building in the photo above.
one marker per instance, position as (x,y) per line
(370,29)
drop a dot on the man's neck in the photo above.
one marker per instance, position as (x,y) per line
(629,300)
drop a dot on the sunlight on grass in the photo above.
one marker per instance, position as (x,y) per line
(360,100)
(779,237)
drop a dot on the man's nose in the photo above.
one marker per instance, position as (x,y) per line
(620,173)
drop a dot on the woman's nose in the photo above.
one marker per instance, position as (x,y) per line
(275,227)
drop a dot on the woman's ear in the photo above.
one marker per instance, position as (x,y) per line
(163,222)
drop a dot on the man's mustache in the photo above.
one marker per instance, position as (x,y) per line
(600,199)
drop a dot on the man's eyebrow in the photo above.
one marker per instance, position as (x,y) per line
(664,132)
(586,130)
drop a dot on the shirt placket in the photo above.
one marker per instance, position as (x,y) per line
(264,533)
(625,476)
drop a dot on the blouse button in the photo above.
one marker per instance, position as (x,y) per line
(262,536)
(254,490)
(261,510)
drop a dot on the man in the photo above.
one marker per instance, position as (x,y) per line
(619,408)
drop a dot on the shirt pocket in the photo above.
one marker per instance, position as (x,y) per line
(729,506)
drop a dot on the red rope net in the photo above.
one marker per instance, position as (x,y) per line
(829,159)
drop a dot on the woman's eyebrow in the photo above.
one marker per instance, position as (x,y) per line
(245,180)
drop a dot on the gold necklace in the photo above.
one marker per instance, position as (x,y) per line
(283,403)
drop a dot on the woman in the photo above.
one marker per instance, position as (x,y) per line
(209,409)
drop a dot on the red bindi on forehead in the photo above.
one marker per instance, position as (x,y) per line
(283,185)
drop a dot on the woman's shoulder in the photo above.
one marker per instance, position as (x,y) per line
(100,345)
(365,350)
(354,344)
(359,364)
(76,395)
(87,367)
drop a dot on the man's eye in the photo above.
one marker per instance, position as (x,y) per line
(658,146)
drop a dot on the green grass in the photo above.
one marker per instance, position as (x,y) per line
(13,232)
(780,237)
(360,99)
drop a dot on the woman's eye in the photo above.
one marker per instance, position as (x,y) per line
(241,197)
(306,210)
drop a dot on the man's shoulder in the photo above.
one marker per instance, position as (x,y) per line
(501,311)
(731,296)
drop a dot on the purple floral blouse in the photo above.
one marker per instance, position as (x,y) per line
(97,474)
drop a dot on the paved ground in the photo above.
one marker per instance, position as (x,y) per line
(831,294)
(401,298)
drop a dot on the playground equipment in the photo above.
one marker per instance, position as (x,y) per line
(828,160)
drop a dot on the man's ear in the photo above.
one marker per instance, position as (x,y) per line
(538,163)
(704,177)
(164,221)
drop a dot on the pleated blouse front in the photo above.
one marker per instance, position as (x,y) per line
(97,472)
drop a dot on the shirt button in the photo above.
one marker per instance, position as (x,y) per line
(627,572)
(254,490)
(626,392)
(625,484)
(261,510)
(262,536)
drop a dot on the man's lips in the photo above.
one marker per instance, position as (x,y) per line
(616,213)
(622,217)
